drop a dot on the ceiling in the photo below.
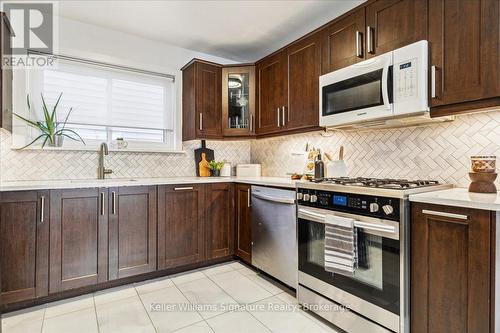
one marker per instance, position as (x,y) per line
(237,30)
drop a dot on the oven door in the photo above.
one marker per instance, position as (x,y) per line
(374,290)
(359,92)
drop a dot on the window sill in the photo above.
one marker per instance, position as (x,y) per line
(96,148)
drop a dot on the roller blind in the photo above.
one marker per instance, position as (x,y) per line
(108,103)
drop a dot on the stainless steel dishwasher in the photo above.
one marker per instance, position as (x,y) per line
(274,233)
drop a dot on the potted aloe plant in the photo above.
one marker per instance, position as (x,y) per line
(215,167)
(52,131)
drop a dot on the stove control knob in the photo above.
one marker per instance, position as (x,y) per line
(306,197)
(374,207)
(300,196)
(388,209)
(313,198)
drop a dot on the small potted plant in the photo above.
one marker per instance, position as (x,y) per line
(215,167)
(52,131)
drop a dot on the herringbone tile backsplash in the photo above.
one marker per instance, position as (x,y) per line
(438,151)
(56,165)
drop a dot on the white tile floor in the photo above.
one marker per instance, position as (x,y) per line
(222,298)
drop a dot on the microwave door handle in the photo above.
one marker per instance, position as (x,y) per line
(385,85)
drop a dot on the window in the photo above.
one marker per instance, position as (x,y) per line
(109,103)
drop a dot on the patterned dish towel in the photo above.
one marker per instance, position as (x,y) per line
(341,253)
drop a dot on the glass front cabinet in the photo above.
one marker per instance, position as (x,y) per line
(238,100)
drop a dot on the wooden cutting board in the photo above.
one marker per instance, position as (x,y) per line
(209,156)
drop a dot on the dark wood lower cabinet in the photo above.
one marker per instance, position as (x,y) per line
(243,234)
(219,214)
(24,245)
(132,231)
(78,238)
(452,262)
(181,239)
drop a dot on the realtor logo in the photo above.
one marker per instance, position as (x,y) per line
(33,32)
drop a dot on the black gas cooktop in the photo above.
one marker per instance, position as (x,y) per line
(386,183)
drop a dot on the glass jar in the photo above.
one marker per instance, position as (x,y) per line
(483,163)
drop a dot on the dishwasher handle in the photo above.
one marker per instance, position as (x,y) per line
(274,199)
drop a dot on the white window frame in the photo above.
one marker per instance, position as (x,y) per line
(171,134)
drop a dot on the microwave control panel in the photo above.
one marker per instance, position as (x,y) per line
(406,76)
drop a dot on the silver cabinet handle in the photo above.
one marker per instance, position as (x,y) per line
(369,40)
(113,203)
(42,209)
(359,47)
(248,199)
(283,115)
(102,203)
(278,112)
(433,81)
(445,214)
(183,188)
(251,123)
(201,121)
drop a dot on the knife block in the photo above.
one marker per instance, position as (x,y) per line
(483,182)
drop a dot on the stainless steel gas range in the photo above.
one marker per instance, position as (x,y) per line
(375,298)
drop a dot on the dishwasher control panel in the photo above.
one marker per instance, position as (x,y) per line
(368,205)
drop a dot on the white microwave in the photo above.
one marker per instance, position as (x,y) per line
(391,85)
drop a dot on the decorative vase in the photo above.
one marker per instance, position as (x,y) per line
(215,173)
(57,141)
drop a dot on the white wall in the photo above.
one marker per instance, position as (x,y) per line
(95,43)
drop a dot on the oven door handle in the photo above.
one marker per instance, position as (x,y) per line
(357,224)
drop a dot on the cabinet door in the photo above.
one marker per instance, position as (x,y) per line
(243,239)
(451,258)
(342,42)
(132,231)
(24,245)
(391,24)
(238,101)
(304,66)
(181,238)
(78,238)
(273,83)
(219,216)
(208,81)
(464,46)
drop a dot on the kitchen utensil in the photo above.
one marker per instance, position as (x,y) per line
(337,168)
(209,156)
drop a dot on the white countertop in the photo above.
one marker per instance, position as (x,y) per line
(460,197)
(84,183)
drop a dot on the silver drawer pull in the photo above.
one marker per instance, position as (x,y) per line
(369,39)
(201,121)
(444,214)
(279,119)
(359,46)
(433,81)
(248,198)
(183,188)
(42,209)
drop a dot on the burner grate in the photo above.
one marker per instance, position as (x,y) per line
(387,183)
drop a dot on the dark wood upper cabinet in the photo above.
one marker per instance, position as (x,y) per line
(243,234)
(5,74)
(464,50)
(342,42)
(24,245)
(304,67)
(391,24)
(452,260)
(132,231)
(272,76)
(181,232)
(78,238)
(219,220)
(238,100)
(201,100)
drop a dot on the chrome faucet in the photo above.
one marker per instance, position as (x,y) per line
(101,170)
